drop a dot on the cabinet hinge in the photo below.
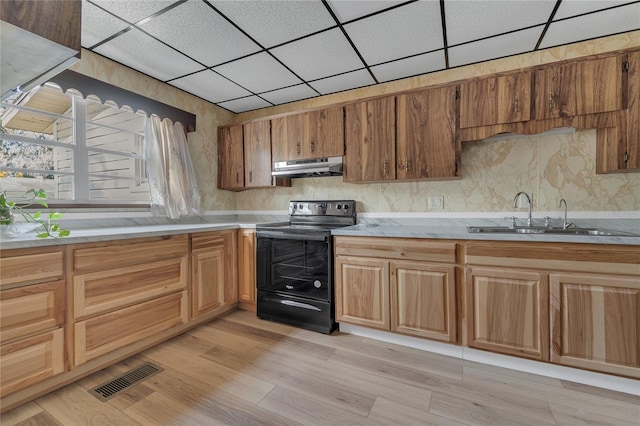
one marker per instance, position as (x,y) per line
(625,66)
(457,93)
(626,157)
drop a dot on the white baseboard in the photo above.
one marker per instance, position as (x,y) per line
(605,381)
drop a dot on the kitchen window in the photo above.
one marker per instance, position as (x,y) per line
(80,150)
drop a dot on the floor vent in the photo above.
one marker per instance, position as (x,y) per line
(121,383)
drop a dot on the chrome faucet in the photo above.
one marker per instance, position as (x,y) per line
(565,224)
(515,205)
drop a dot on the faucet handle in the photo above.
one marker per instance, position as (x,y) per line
(513,221)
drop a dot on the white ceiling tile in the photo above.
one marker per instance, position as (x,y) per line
(133,10)
(274,22)
(318,56)
(98,24)
(145,54)
(258,73)
(405,31)
(245,104)
(201,33)
(289,94)
(409,67)
(346,10)
(570,8)
(475,19)
(620,19)
(495,47)
(210,86)
(342,82)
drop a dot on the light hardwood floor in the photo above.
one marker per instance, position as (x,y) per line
(240,370)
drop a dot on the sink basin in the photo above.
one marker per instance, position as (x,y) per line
(553,231)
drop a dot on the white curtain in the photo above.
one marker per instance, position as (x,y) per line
(174,191)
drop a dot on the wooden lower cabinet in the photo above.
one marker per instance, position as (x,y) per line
(362,291)
(213,271)
(423,301)
(507,311)
(596,322)
(247,266)
(28,361)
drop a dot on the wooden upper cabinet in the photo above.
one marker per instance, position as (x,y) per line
(230,158)
(312,134)
(618,148)
(62,22)
(496,100)
(257,154)
(428,144)
(581,87)
(370,141)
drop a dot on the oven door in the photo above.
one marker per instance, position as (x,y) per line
(295,264)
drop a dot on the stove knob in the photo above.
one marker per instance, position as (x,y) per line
(300,206)
(346,206)
(339,207)
(294,206)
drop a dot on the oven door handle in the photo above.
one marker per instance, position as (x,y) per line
(293,303)
(286,236)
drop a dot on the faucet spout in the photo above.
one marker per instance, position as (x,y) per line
(565,224)
(515,205)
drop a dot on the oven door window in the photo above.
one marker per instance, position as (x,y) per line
(297,267)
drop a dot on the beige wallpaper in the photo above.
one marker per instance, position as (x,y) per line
(550,167)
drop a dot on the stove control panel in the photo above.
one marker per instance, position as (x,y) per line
(322,208)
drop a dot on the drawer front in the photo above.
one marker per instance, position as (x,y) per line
(104,291)
(28,361)
(31,309)
(208,240)
(31,268)
(120,254)
(397,248)
(105,333)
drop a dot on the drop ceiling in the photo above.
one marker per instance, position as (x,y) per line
(243,55)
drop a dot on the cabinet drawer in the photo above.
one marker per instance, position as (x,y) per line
(28,361)
(120,254)
(30,309)
(205,241)
(397,248)
(105,333)
(30,268)
(103,291)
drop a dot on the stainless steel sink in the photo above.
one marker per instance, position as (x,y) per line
(553,231)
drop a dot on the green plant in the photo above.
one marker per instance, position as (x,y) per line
(47,225)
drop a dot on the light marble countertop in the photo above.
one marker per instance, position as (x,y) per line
(91,230)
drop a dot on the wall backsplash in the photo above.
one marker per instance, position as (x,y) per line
(550,167)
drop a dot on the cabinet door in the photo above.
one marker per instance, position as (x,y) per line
(105,333)
(496,100)
(31,309)
(289,135)
(508,312)
(247,265)
(578,88)
(230,158)
(423,301)
(26,362)
(326,133)
(362,291)
(370,141)
(427,144)
(596,322)
(257,154)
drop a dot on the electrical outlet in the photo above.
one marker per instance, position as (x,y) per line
(435,203)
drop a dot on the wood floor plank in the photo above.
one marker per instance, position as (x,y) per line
(394,414)
(19,414)
(72,405)
(40,419)
(309,411)
(569,416)
(240,384)
(190,395)
(596,404)
(519,375)
(474,413)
